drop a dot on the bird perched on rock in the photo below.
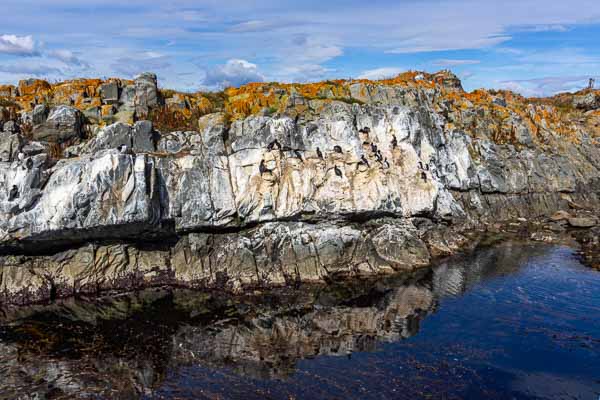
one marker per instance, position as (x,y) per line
(14,193)
(298,154)
(338,171)
(424,176)
(386,163)
(122,149)
(29,163)
(363,160)
(262,168)
(373,148)
(394,142)
(274,145)
(420,165)
(337,149)
(378,156)
(319,154)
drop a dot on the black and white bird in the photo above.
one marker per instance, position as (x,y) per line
(338,171)
(297,153)
(424,176)
(262,168)
(337,149)
(319,154)
(122,149)
(378,156)
(363,160)
(386,163)
(274,145)
(394,142)
(373,148)
(420,165)
(14,193)
(29,163)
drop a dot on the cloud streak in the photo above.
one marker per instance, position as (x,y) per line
(18,45)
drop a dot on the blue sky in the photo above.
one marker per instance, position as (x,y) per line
(535,47)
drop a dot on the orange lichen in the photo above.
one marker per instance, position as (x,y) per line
(496,114)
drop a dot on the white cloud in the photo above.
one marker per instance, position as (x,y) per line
(381,73)
(454,63)
(18,45)
(66,56)
(547,85)
(234,72)
(31,69)
(133,64)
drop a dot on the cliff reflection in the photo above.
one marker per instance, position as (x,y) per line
(124,347)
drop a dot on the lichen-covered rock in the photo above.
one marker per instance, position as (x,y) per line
(258,196)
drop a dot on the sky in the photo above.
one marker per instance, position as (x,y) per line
(534,47)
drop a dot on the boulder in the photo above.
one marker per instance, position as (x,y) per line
(109,92)
(588,101)
(10,127)
(63,123)
(110,137)
(10,144)
(143,137)
(39,114)
(560,216)
(582,222)
(146,93)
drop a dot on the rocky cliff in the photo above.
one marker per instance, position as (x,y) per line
(277,184)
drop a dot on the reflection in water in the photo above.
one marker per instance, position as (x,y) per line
(130,346)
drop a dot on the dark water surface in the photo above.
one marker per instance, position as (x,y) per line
(514,321)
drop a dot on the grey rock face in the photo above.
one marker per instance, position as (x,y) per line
(291,190)
(146,93)
(63,123)
(109,93)
(10,145)
(588,101)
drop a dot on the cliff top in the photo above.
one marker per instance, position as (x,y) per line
(496,113)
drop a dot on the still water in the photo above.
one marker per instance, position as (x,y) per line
(513,321)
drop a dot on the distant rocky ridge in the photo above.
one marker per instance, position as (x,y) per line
(277,184)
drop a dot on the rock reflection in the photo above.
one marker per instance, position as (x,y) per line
(125,347)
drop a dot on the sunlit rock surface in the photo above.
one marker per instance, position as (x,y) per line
(277,196)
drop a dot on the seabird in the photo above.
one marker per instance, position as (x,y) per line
(386,164)
(337,171)
(14,193)
(29,163)
(373,148)
(274,144)
(424,176)
(262,167)
(319,154)
(122,148)
(364,160)
(378,156)
(394,142)
(337,149)
(420,165)
(297,153)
